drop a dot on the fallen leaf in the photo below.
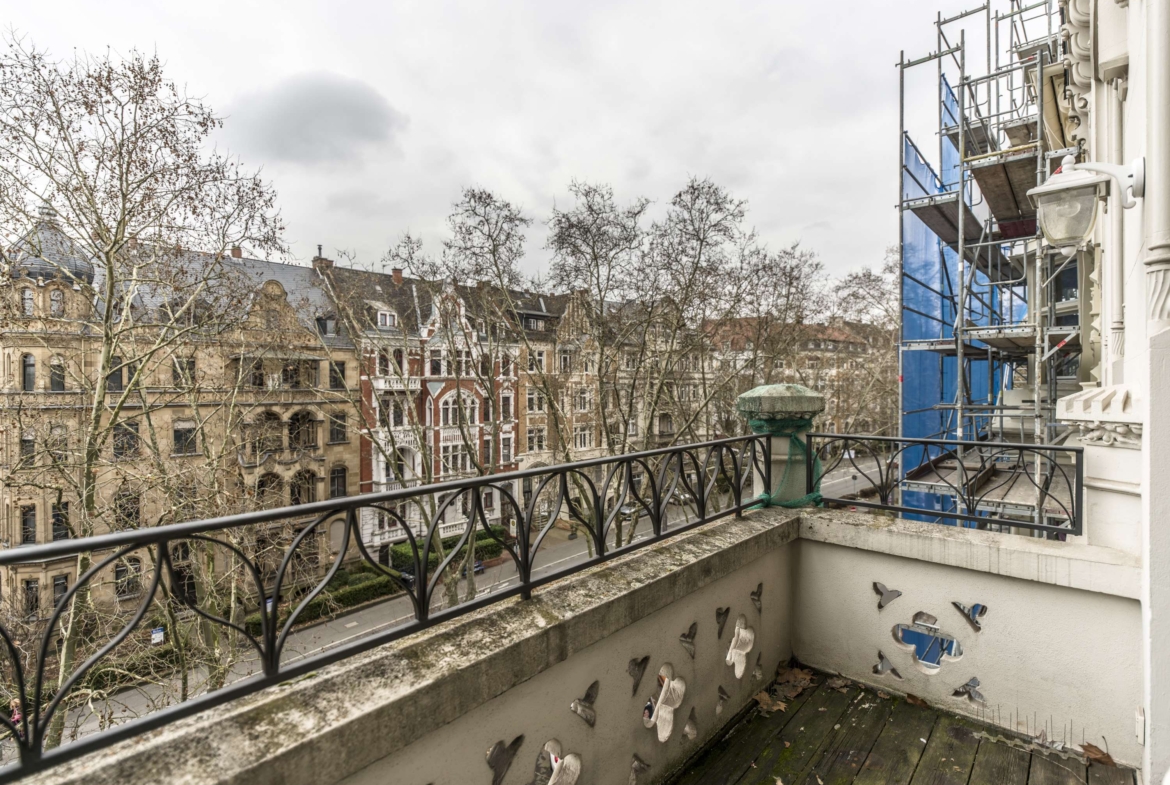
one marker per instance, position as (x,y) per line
(883,695)
(787,744)
(1097,755)
(916,701)
(819,780)
(837,683)
(779,781)
(768,704)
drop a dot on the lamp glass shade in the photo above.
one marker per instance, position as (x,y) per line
(1067,216)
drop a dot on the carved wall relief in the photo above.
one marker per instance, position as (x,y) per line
(742,642)
(583,707)
(659,712)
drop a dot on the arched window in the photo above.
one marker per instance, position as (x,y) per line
(56,303)
(28,373)
(302,432)
(270,490)
(27,302)
(383,363)
(269,433)
(447,412)
(57,375)
(303,488)
(398,359)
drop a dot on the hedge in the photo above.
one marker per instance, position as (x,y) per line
(355,593)
(402,557)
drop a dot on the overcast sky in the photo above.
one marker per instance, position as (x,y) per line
(369,117)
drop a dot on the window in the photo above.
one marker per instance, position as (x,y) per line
(28,373)
(535,439)
(535,401)
(302,432)
(337,375)
(582,437)
(505,365)
(487,451)
(127,509)
(487,410)
(631,362)
(303,489)
(125,440)
(337,430)
(184,437)
(61,521)
(454,458)
(393,412)
(57,375)
(436,362)
(582,399)
(183,372)
(327,326)
(383,363)
(505,407)
(505,449)
(632,427)
(566,362)
(27,302)
(463,363)
(387,319)
(269,490)
(532,323)
(489,500)
(665,425)
(60,589)
(337,482)
(32,598)
(447,412)
(257,376)
(28,525)
(28,448)
(114,378)
(56,303)
(398,364)
(128,577)
(586,363)
(536,361)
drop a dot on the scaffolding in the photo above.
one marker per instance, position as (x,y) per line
(993,320)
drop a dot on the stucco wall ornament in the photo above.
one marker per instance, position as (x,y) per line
(1111,434)
(659,713)
(687,639)
(553,769)
(723,698)
(1104,416)
(930,645)
(691,729)
(637,766)
(886,596)
(758,671)
(721,615)
(637,669)
(971,691)
(757,597)
(972,614)
(884,666)
(500,757)
(742,642)
(583,707)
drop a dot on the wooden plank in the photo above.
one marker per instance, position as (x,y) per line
(895,755)
(728,759)
(849,744)
(1109,775)
(797,745)
(949,754)
(999,764)
(1054,770)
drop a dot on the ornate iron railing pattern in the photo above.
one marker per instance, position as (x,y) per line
(991,484)
(713,479)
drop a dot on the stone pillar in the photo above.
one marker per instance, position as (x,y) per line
(781,409)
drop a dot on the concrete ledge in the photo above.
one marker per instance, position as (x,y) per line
(328,725)
(1088,567)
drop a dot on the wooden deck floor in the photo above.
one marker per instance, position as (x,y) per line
(854,736)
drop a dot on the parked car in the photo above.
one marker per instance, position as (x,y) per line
(627,511)
(682,496)
(477,568)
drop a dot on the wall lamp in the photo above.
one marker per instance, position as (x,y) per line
(1066,205)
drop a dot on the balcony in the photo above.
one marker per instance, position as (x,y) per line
(395,383)
(659,644)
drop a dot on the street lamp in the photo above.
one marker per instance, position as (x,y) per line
(1066,205)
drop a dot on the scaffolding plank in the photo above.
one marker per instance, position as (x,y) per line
(1007,338)
(1004,181)
(940,213)
(978,138)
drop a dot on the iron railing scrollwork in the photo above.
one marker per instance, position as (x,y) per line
(672,490)
(990,485)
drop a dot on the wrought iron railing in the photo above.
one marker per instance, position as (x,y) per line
(264,557)
(987,485)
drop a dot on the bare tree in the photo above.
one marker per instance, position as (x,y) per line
(106,183)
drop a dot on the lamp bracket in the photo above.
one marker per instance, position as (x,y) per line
(1129,179)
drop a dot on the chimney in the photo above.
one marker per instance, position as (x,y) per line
(321,263)
(236,252)
(396,274)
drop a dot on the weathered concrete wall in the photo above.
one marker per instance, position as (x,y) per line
(1048,657)
(539,709)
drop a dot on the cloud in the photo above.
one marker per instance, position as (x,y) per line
(315,118)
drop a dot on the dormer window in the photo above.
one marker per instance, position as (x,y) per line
(327,326)
(532,323)
(387,319)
